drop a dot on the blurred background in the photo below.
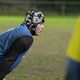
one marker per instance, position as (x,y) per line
(61,7)
(46,59)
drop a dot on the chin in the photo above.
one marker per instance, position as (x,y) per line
(37,34)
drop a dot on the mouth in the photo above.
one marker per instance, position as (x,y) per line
(40,32)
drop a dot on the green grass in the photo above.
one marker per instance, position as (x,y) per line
(60,21)
(11,20)
(51,21)
(46,59)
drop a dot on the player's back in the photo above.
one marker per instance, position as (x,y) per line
(74,46)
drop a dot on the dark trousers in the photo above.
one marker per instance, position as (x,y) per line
(19,46)
(73,71)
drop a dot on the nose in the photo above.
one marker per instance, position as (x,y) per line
(42,26)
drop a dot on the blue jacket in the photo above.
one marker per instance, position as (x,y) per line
(7,38)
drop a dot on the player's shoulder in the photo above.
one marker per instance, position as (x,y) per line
(23,29)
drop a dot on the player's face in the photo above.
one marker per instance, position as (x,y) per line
(39,29)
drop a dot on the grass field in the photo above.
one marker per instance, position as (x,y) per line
(46,59)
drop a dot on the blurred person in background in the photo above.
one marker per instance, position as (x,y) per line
(73,54)
(16,41)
